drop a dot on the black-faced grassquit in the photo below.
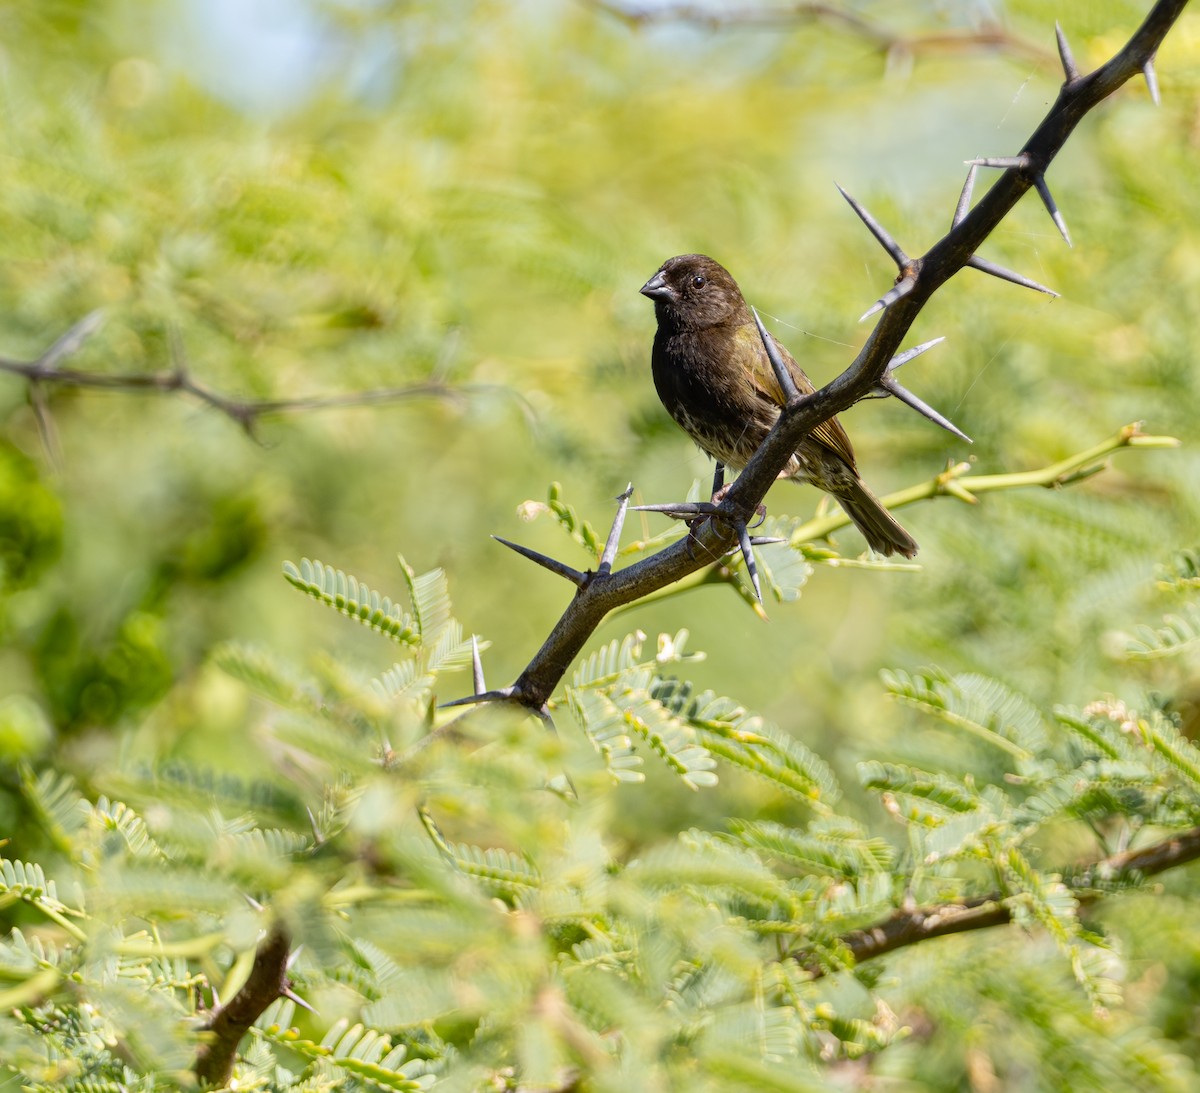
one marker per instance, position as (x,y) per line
(715,379)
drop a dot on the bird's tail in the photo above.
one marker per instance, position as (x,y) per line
(883,533)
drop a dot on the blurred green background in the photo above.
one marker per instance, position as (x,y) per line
(328,197)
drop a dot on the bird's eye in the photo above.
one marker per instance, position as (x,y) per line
(699,281)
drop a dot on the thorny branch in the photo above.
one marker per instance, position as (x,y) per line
(45,371)
(266,982)
(919,278)
(909,927)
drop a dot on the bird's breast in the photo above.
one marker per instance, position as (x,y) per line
(710,395)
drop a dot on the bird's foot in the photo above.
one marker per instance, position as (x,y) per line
(760,512)
(694,513)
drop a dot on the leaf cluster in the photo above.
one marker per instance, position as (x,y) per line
(463,916)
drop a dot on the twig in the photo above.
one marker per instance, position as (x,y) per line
(926,274)
(44,372)
(950,483)
(953,481)
(991,36)
(903,928)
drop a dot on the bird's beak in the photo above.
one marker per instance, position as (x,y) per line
(657,288)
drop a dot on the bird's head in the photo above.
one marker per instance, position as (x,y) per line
(692,292)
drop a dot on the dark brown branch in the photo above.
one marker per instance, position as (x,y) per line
(267,981)
(712,539)
(904,928)
(991,37)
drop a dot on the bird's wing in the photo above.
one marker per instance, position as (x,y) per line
(766,387)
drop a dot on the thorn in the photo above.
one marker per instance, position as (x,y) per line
(293,997)
(1007,163)
(783,375)
(179,360)
(889,385)
(1151,81)
(984,266)
(69,342)
(886,241)
(318,838)
(1044,193)
(216,998)
(577,578)
(47,432)
(477,666)
(719,474)
(765,540)
(911,354)
(293,956)
(748,554)
(254,904)
(681,510)
(614,533)
(1064,54)
(964,198)
(501,695)
(890,297)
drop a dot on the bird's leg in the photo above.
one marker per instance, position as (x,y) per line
(718,490)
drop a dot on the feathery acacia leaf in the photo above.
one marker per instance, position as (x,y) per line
(268,675)
(672,739)
(945,794)
(833,847)
(498,870)
(982,706)
(603,723)
(429,595)
(745,740)
(58,804)
(353,598)
(1181,573)
(1178,634)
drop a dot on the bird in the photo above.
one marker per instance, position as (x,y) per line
(715,379)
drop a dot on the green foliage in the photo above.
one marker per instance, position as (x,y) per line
(464,915)
(466,197)
(345,594)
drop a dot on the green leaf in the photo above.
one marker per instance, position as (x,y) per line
(1181,573)
(605,665)
(353,598)
(429,595)
(58,804)
(833,847)
(670,737)
(1172,746)
(498,870)
(603,723)
(982,706)
(930,787)
(1095,730)
(116,819)
(745,740)
(1178,634)
(268,674)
